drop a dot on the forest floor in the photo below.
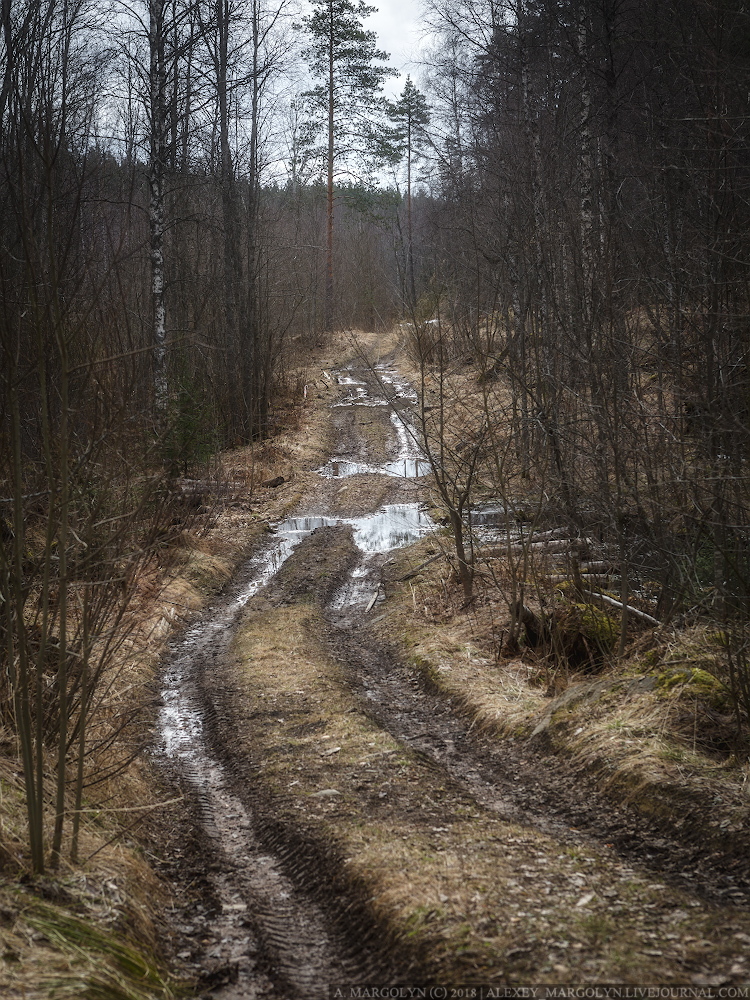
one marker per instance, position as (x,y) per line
(360,790)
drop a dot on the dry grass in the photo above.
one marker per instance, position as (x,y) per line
(90,929)
(655,728)
(96,928)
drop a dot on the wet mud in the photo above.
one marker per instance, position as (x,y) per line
(518,780)
(253,927)
(272,912)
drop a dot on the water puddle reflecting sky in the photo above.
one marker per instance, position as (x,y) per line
(181,720)
(406,468)
(411,463)
(389,528)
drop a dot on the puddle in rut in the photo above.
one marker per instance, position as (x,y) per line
(410,463)
(180,720)
(251,879)
(391,385)
(407,468)
(390,528)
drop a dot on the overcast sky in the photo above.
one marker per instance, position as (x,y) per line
(398,25)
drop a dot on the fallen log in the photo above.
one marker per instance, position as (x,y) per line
(599,578)
(548,536)
(600,566)
(649,619)
(413,572)
(553,547)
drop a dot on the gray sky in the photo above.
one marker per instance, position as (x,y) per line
(398,25)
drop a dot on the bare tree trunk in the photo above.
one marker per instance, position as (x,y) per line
(229,209)
(412,287)
(157,170)
(329,202)
(252,358)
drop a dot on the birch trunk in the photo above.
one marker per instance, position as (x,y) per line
(156,207)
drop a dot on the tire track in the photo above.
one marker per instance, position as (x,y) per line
(516,780)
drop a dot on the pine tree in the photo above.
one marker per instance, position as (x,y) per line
(411,116)
(347,103)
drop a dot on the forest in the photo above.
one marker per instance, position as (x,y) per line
(200,198)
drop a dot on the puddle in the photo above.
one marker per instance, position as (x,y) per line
(357,396)
(390,528)
(406,468)
(393,387)
(488,517)
(180,721)
(410,463)
(489,523)
(401,388)
(247,877)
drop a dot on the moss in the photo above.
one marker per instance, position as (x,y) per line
(651,658)
(719,639)
(694,682)
(705,682)
(598,627)
(669,679)
(583,635)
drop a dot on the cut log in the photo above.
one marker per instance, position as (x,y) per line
(602,566)
(551,535)
(554,546)
(600,578)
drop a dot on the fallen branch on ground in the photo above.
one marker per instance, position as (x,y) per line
(618,604)
(413,572)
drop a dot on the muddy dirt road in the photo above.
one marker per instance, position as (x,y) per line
(347,826)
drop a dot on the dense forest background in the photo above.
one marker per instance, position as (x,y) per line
(564,203)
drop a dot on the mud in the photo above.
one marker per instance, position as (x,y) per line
(256,932)
(269,910)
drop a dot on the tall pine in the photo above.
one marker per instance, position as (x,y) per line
(411,116)
(347,102)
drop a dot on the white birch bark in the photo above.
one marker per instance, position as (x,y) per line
(156,207)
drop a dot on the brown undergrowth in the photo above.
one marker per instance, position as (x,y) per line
(655,727)
(95,928)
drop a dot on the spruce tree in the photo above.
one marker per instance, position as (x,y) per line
(347,104)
